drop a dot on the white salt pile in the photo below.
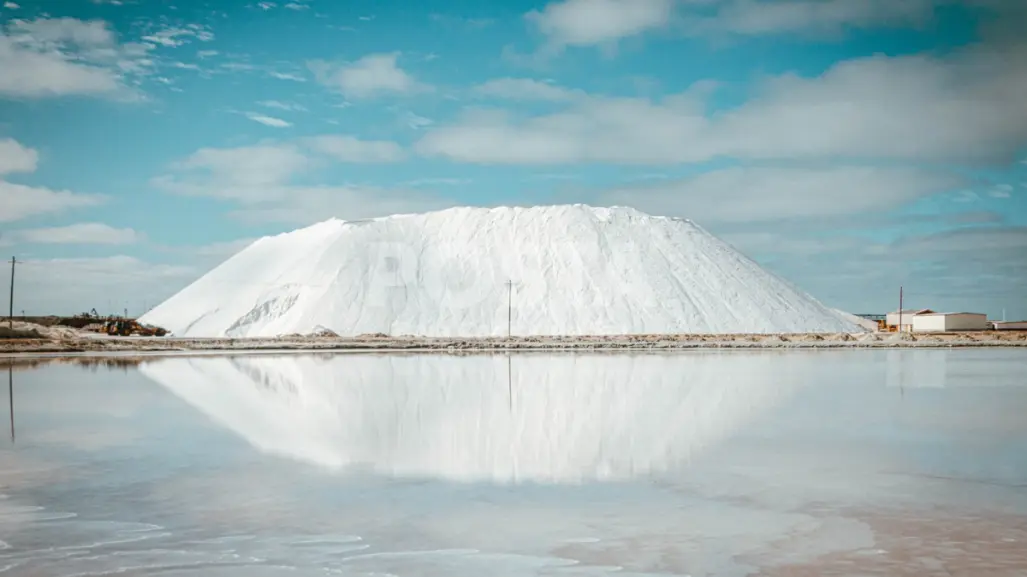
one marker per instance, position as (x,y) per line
(551,270)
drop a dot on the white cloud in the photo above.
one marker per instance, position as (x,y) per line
(66,56)
(174,36)
(296,6)
(263,180)
(593,22)
(415,121)
(372,75)
(525,89)
(11,6)
(16,158)
(286,76)
(971,240)
(268,120)
(351,149)
(279,105)
(58,30)
(438,182)
(766,194)
(266,5)
(977,268)
(70,286)
(241,173)
(1001,191)
(18,201)
(967,107)
(81,233)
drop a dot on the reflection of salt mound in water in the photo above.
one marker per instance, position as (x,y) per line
(560,418)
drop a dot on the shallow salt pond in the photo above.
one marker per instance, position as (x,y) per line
(904,462)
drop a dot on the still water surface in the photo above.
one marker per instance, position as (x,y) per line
(727,464)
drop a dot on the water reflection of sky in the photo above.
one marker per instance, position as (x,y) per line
(694,464)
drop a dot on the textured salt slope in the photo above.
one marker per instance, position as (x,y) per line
(550,418)
(576,270)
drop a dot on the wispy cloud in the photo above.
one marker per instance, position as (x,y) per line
(263,180)
(173,36)
(864,108)
(352,149)
(268,120)
(279,105)
(525,89)
(71,285)
(597,22)
(768,194)
(53,57)
(373,75)
(286,76)
(18,201)
(81,233)
(14,157)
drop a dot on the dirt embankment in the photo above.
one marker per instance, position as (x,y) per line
(30,338)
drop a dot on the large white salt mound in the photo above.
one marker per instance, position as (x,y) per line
(575,270)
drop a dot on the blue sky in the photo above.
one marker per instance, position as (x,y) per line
(849,145)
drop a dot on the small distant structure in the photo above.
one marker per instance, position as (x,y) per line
(1008,325)
(902,321)
(932,322)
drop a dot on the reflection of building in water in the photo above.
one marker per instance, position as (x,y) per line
(550,418)
(910,369)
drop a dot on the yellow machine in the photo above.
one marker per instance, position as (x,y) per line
(128,327)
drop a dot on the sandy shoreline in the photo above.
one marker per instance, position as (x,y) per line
(639,343)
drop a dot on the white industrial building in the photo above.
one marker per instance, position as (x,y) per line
(931,322)
(1009,325)
(905,318)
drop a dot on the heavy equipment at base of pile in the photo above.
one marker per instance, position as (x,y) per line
(119,327)
(130,327)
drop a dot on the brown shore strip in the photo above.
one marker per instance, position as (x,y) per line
(629,343)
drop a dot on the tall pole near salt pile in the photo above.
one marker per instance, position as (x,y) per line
(10,319)
(900,309)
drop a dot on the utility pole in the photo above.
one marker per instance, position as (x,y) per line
(10,319)
(509,307)
(900,309)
